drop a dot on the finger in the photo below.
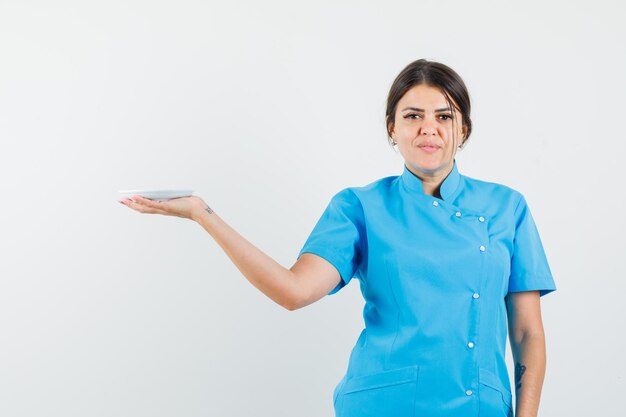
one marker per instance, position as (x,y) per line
(145,201)
(144,205)
(126,201)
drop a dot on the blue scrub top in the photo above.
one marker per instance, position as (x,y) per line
(434,273)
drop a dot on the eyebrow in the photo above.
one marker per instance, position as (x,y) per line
(416,109)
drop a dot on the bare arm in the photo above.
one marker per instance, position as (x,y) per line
(307,281)
(528,348)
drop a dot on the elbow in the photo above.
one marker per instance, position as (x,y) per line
(293,304)
(290,307)
(294,296)
(534,334)
(296,299)
(288,304)
(525,335)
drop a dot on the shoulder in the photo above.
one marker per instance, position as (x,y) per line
(493,191)
(372,194)
(375,188)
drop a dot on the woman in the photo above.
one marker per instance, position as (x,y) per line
(445,263)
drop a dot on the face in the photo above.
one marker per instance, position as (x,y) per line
(425,133)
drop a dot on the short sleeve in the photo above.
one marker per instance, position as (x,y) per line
(529,266)
(337,235)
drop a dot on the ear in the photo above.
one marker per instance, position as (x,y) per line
(463,135)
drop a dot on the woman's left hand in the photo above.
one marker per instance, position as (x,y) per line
(185,207)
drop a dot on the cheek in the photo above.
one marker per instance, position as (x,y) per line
(453,134)
(404,129)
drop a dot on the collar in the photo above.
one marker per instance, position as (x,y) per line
(448,189)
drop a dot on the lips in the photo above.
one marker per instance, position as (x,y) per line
(429,148)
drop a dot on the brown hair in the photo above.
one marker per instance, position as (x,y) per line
(433,74)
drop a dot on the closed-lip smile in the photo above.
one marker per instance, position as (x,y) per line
(428,147)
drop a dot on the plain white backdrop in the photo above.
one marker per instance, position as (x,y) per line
(266,109)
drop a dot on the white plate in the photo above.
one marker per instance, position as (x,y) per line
(159,195)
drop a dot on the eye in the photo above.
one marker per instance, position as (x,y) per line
(445,117)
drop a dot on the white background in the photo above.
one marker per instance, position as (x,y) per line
(266,109)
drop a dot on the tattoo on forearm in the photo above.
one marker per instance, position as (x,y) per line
(208,209)
(519,371)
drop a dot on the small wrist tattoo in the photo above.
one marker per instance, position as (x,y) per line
(208,209)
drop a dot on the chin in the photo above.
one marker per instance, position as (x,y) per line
(429,166)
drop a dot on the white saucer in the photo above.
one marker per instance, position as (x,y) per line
(159,195)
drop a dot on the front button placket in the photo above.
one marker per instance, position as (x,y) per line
(482,274)
(472,360)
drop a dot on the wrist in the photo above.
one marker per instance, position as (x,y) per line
(201,212)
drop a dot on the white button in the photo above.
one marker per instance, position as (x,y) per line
(476,295)
(470,344)
(468,392)
(482,248)
(435,203)
(457,214)
(481,219)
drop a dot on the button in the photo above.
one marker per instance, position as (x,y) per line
(457,214)
(470,344)
(481,219)
(482,248)
(435,203)
(476,295)
(468,392)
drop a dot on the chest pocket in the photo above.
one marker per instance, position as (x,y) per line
(387,393)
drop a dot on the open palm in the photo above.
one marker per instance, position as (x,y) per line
(185,207)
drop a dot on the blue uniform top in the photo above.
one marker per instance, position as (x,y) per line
(434,273)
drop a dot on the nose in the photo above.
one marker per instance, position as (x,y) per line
(428,127)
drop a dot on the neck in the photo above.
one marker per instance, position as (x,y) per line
(431,182)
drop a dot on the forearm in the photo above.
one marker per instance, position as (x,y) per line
(530,364)
(271,278)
